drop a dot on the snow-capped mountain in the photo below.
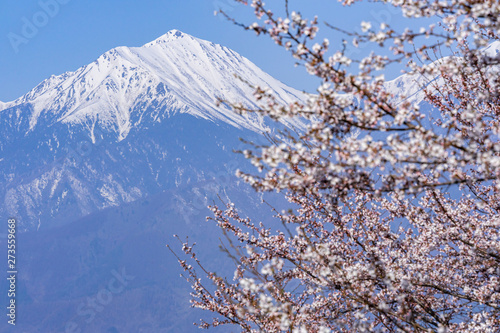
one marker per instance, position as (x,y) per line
(129,86)
(122,127)
(102,165)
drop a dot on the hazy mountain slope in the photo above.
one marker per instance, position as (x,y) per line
(65,267)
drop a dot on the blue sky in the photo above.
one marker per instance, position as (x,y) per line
(73,33)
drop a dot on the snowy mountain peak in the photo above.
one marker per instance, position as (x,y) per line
(169,36)
(493,49)
(128,87)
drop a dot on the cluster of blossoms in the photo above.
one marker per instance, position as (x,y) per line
(396,226)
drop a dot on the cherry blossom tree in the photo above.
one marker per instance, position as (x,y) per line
(395,225)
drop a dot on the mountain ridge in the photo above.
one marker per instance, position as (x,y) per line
(174,73)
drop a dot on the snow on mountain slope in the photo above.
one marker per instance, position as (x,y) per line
(493,49)
(410,86)
(129,85)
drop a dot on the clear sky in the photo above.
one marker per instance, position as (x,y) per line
(39,38)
